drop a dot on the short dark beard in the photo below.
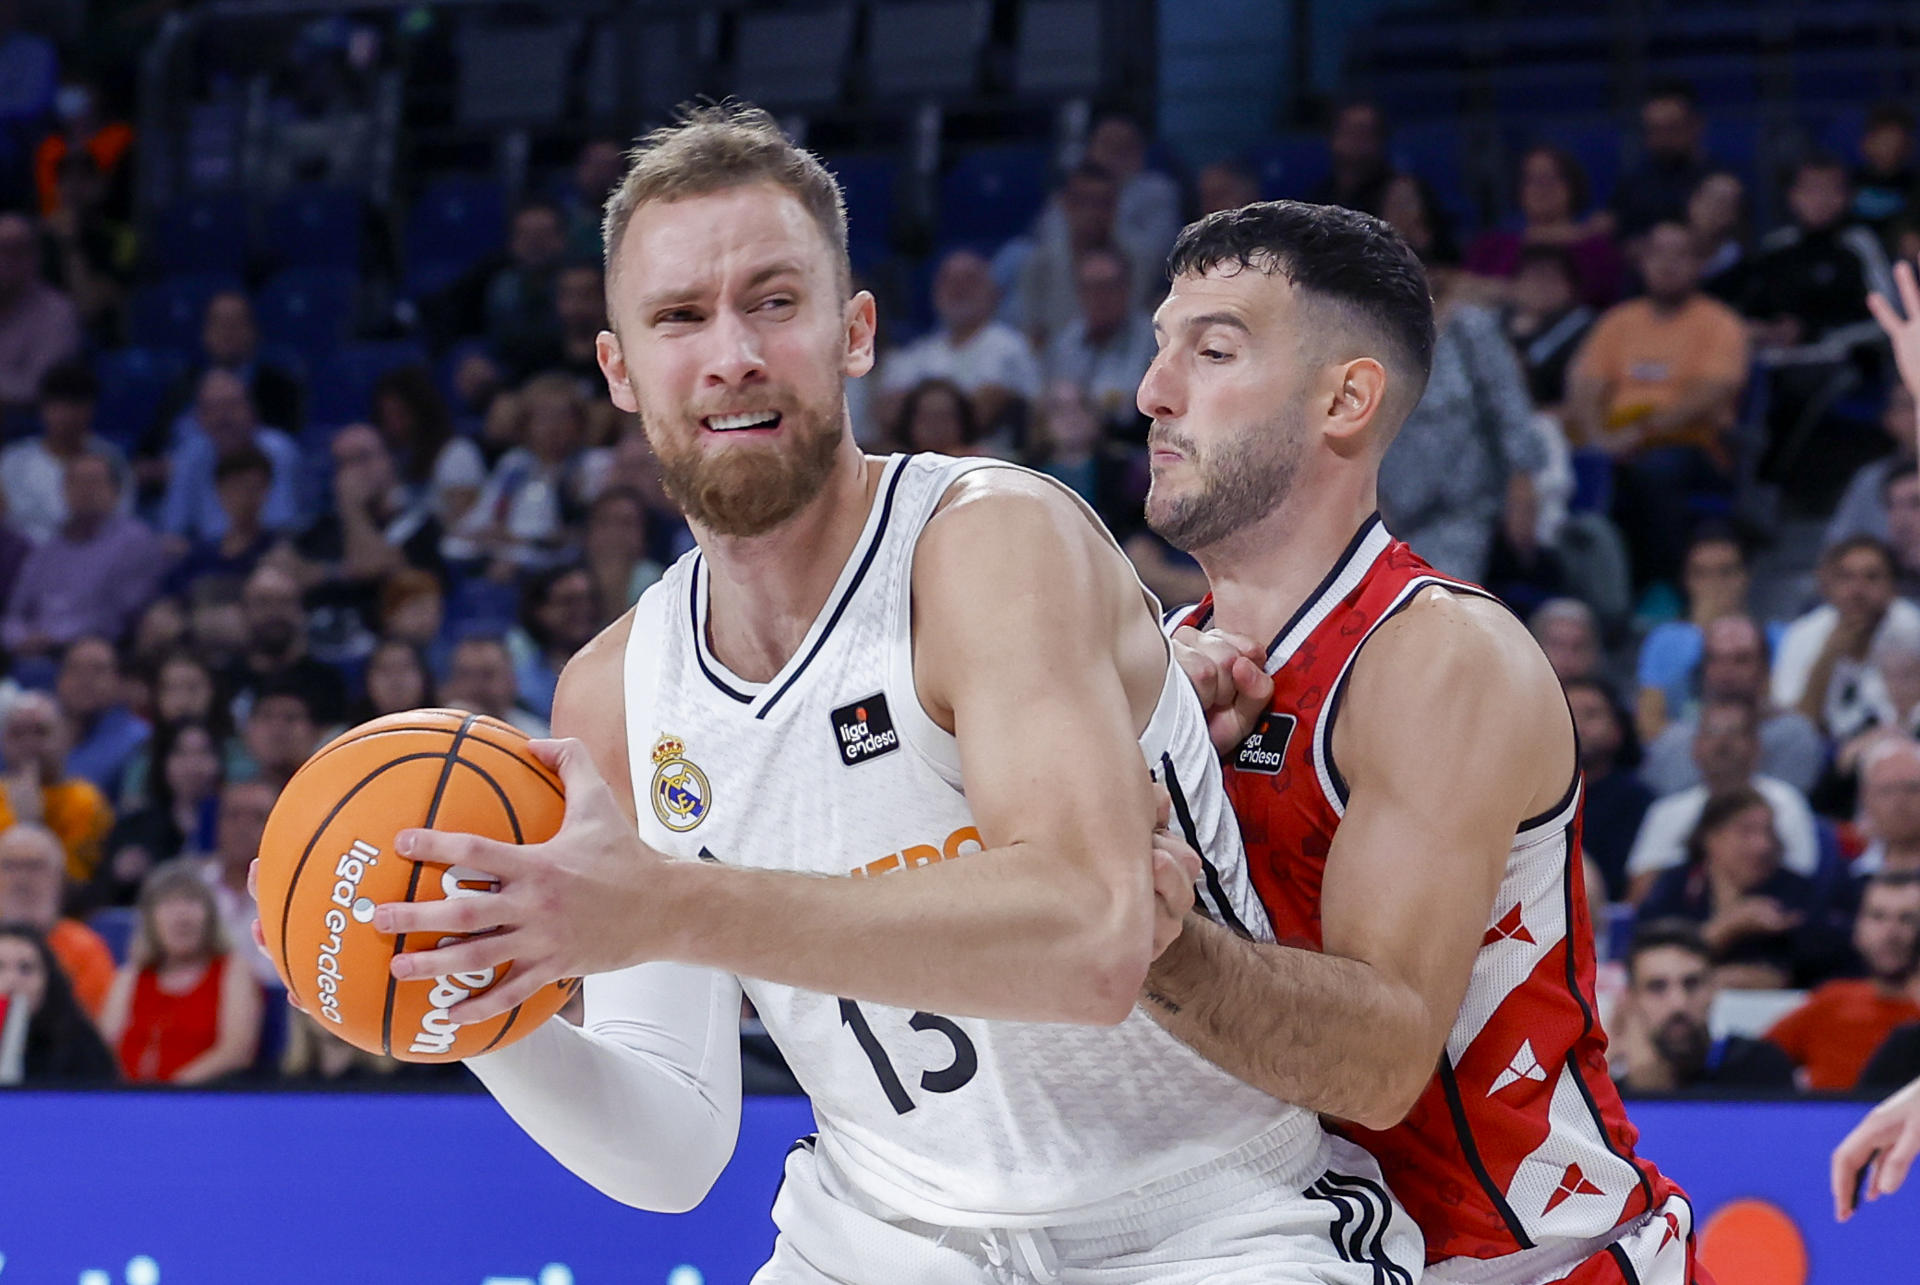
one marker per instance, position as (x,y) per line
(1683,1044)
(756,492)
(1242,481)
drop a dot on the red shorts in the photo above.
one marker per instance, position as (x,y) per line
(1659,1251)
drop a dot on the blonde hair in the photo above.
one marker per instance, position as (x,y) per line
(180,877)
(717,146)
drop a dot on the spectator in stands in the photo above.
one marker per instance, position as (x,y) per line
(1726,751)
(1831,1036)
(1616,798)
(937,416)
(230,341)
(1546,322)
(280,732)
(1673,160)
(1361,169)
(62,1044)
(559,616)
(989,360)
(1890,804)
(243,810)
(1863,507)
(1226,185)
(180,1011)
(276,650)
(1569,633)
(1901,497)
(217,624)
(178,819)
(225,411)
(39,326)
(372,529)
(630,462)
(1108,345)
(397,680)
(413,609)
(1885,185)
(106,734)
(1552,196)
(596,172)
(1717,220)
(1822,657)
(94,247)
(436,464)
(1767,927)
(1462,464)
(1714,581)
(1147,213)
(242,484)
(480,679)
(1656,386)
(1733,667)
(521,522)
(32,883)
(37,788)
(579,315)
(1666,1046)
(1071,447)
(615,551)
(1808,281)
(518,309)
(1080,219)
(32,470)
(93,578)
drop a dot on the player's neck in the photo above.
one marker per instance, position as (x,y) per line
(765,591)
(1260,576)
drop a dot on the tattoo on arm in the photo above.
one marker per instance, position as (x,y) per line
(1161,1000)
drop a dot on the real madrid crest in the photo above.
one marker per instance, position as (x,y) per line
(681,795)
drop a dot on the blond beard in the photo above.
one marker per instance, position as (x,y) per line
(749,492)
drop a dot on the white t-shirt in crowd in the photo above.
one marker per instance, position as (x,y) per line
(1662,841)
(996,356)
(1848,707)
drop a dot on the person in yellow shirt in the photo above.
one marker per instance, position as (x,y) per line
(36,787)
(1656,386)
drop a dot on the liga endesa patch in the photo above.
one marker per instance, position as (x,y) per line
(864,730)
(1266,747)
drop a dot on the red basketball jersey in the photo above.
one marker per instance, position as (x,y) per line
(1520,1138)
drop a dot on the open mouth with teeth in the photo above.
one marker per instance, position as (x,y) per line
(746,421)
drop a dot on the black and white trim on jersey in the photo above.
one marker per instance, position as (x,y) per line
(1348,570)
(762,697)
(1362,1214)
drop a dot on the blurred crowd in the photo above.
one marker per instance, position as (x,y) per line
(1646,417)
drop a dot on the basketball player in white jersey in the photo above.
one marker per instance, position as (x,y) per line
(853,676)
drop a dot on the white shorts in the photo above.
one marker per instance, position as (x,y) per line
(1240,1224)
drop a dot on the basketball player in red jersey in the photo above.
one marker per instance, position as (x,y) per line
(1403,766)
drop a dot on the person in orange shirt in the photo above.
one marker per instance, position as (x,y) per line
(107,142)
(1656,386)
(31,864)
(36,787)
(1831,1036)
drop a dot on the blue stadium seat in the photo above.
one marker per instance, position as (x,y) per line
(169,313)
(1290,168)
(204,233)
(868,185)
(115,924)
(993,193)
(308,308)
(456,221)
(134,384)
(315,226)
(343,392)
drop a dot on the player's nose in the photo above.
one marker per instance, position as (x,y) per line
(735,356)
(1159,397)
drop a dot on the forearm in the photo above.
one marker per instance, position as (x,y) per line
(1330,1034)
(643,1101)
(1708,402)
(963,938)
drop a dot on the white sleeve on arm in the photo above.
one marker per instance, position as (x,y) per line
(643,1101)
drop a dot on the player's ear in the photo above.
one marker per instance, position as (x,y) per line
(861,322)
(1359,388)
(613,365)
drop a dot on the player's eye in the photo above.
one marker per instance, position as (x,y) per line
(676,317)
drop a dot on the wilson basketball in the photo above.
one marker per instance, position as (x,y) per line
(327,859)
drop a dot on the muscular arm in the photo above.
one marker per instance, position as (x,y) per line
(643,1099)
(1007,579)
(1452,732)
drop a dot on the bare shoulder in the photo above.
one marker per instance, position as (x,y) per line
(590,703)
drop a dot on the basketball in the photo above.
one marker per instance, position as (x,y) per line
(327,859)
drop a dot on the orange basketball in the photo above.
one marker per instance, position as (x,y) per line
(327,859)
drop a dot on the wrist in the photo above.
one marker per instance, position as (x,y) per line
(683,896)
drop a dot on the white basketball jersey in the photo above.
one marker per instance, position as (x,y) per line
(833,768)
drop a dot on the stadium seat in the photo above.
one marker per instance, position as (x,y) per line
(169,313)
(115,924)
(308,308)
(792,59)
(204,233)
(869,186)
(455,223)
(314,226)
(1290,168)
(1058,48)
(993,193)
(927,48)
(344,391)
(134,384)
